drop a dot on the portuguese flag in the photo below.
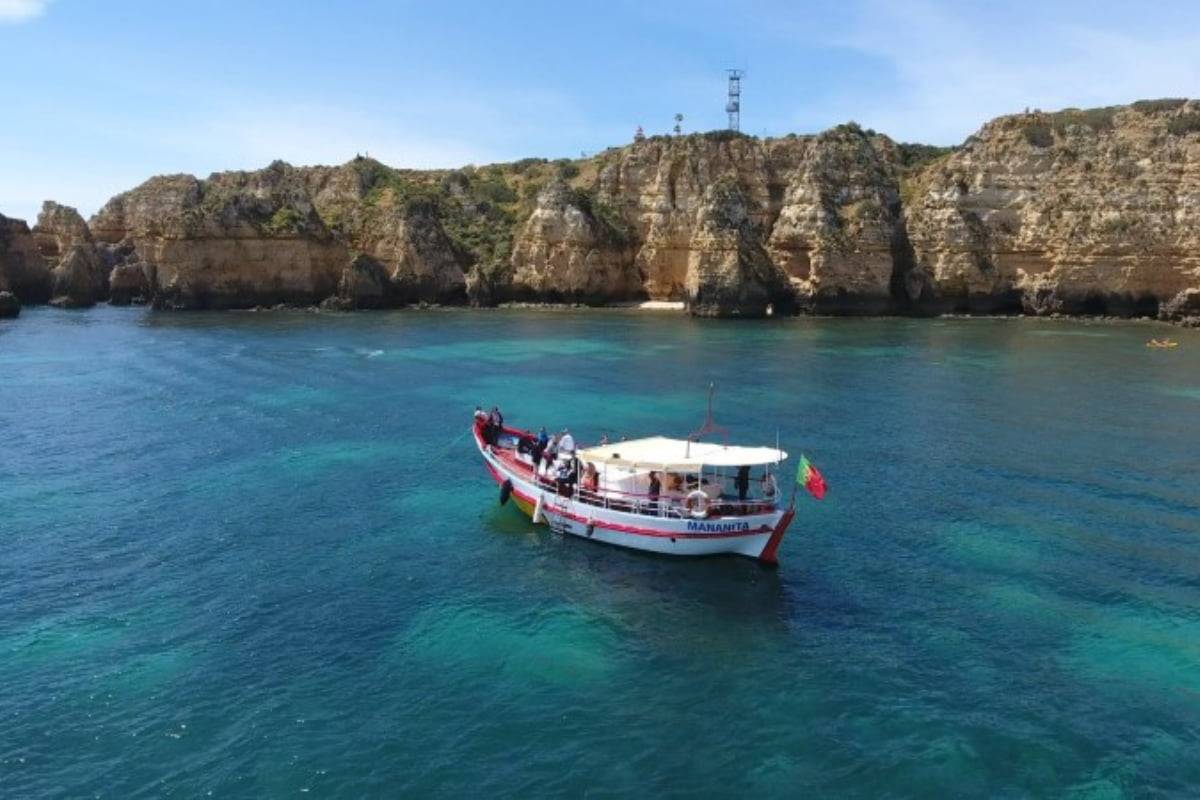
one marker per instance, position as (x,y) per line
(808,477)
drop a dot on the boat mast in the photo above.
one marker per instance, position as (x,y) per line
(709,425)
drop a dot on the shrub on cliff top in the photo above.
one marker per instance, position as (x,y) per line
(914,155)
(1163,104)
(1041,129)
(1184,124)
(850,127)
(725,135)
(1098,119)
(524,165)
(566,169)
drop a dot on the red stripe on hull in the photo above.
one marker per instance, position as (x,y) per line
(768,556)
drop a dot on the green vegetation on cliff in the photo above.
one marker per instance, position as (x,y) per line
(478,207)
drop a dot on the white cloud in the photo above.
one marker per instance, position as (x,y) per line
(954,72)
(249,132)
(21,10)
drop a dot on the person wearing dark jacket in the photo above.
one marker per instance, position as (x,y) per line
(495,426)
(655,491)
(742,482)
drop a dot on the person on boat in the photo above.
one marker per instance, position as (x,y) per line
(591,478)
(768,486)
(742,483)
(543,438)
(655,491)
(492,426)
(566,477)
(549,454)
(566,442)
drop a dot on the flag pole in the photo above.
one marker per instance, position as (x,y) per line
(792,502)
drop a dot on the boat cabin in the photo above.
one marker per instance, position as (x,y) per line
(700,480)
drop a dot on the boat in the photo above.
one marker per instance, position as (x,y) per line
(1164,343)
(713,498)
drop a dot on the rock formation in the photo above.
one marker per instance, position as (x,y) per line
(1075,212)
(364,284)
(279,235)
(658,190)
(425,264)
(79,268)
(238,239)
(565,252)
(729,272)
(1183,308)
(131,283)
(79,279)
(840,233)
(23,271)
(58,229)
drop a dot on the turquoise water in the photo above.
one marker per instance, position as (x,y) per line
(253,555)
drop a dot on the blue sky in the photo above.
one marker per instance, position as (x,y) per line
(99,96)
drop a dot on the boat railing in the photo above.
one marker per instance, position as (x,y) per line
(670,506)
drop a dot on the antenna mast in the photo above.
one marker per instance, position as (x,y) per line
(709,425)
(733,107)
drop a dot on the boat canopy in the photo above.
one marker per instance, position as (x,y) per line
(679,455)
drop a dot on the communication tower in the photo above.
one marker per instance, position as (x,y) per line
(734,105)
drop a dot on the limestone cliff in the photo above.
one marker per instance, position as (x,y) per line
(280,235)
(23,271)
(565,252)
(822,212)
(659,191)
(237,239)
(632,223)
(729,272)
(840,233)
(79,269)
(1092,212)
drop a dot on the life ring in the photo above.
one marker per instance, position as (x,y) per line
(697,504)
(769,487)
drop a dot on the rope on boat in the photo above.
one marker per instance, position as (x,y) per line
(449,447)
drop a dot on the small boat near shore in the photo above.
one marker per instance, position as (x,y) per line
(679,497)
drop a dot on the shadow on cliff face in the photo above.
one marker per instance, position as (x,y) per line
(1047,301)
(914,292)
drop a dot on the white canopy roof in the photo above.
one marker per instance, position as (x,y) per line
(679,455)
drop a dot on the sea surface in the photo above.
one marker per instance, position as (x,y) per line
(255,554)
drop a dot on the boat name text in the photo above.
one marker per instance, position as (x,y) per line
(718,527)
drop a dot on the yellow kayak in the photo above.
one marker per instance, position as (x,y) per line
(1163,343)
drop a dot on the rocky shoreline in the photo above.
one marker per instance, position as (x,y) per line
(1080,213)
